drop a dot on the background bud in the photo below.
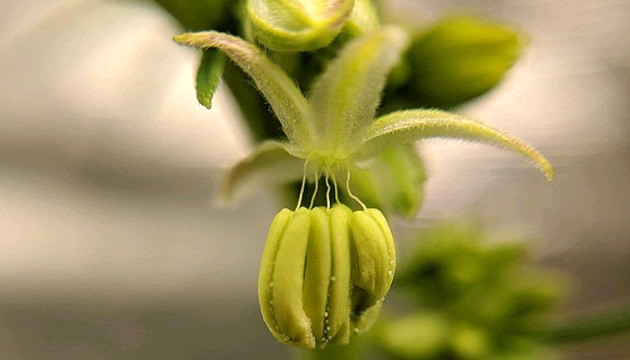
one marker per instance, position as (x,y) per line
(459,59)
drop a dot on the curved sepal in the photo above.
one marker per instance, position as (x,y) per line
(411,125)
(344,98)
(285,98)
(302,25)
(271,163)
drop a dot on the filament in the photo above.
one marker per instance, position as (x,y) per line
(350,192)
(314,191)
(302,187)
(336,188)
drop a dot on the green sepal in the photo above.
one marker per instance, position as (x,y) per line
(410,125)
(392,181)
(272,163)
(343,100)
(460,58)
(209,76)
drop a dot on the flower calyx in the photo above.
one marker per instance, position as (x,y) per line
(336,124)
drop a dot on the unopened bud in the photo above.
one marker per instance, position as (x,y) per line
(297,25)
(461,58)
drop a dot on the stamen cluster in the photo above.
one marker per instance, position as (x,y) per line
(325,273)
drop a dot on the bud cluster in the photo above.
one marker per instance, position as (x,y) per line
(324,273)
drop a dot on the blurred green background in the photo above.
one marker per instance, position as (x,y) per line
(111,247)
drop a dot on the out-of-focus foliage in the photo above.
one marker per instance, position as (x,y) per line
(208,76)
(473,300)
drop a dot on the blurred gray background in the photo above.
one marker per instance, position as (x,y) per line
(111,248)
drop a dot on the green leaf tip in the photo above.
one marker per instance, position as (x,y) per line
(209,76)
(411,125)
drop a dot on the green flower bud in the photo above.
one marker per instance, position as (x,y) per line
(303,25)
(461,58)
(323,273)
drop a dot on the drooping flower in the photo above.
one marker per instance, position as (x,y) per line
(327,134)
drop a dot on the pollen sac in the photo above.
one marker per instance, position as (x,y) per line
(324,274)
(374,264)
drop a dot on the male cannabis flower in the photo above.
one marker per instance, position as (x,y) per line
(326,270)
